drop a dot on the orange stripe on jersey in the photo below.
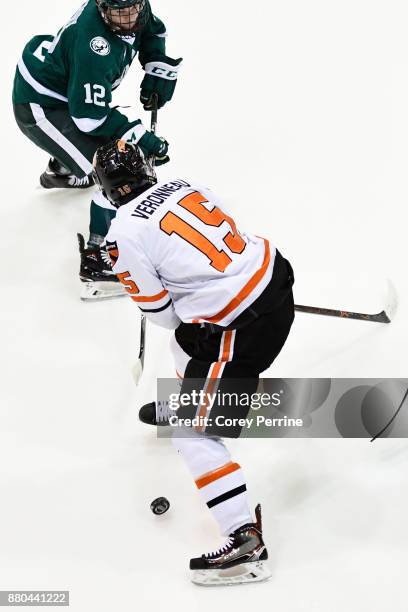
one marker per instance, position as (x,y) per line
(228,468)
(245,291)
(150,298)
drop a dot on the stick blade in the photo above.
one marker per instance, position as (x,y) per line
(392,301)
(137,371)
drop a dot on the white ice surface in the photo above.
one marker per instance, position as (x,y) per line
(296,113)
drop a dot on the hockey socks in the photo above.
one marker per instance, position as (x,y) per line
(220,481)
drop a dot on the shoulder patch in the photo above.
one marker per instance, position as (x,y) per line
(100,46)
(113,251)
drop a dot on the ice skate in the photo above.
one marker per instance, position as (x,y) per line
(57,176)
(156,413)
(99,282)
(239,561)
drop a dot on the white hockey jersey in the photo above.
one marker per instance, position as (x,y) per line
(180,256)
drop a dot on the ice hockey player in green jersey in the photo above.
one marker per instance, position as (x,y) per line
(63,90)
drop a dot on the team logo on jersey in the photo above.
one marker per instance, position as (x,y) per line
(100,46)
(113,251)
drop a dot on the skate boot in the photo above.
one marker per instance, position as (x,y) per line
(57,176)
(99,280)
(240,560)
(156,413)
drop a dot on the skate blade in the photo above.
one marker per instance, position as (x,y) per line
(247,573)
(100,291)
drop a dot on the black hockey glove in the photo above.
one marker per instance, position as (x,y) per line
(160,78)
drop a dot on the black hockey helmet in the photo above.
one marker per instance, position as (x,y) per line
(124,17)
(122,172)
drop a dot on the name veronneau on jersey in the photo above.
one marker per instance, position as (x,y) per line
(156,198)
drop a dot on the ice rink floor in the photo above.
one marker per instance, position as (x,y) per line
(295,114)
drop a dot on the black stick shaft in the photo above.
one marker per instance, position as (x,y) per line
(153,123)
(142,339)
(381,317)
(153,126)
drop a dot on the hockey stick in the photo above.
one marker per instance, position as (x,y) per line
(137,370)
(138,367)
(380,317)
(385,316)
(153,121)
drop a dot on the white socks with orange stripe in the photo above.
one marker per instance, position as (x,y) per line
(220,481)
(224,492)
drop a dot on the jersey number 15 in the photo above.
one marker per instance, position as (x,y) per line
(172,224)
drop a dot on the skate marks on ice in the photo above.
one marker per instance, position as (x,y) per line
(246,573)
(395,454)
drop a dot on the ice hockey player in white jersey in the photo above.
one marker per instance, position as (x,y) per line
(228,296)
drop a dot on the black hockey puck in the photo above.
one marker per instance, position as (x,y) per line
(160,505)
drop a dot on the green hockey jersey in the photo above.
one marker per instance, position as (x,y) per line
(81,66)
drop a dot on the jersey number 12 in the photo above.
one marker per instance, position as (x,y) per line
(97,96)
